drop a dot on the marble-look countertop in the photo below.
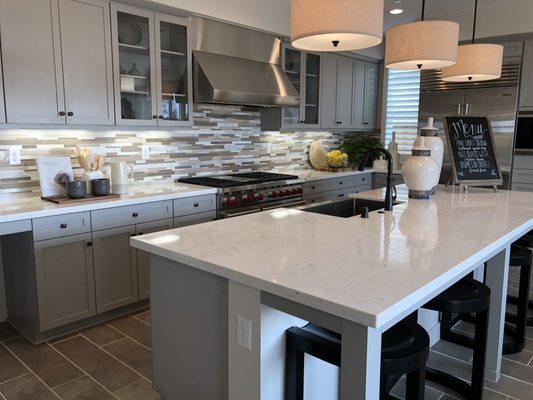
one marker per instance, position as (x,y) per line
(365,270)
(15,207)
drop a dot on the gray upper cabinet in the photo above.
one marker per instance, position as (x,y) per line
(115,268)
(152,64)
(31,56)
(366,89)
(337,92)
(65,280)
(526,84)
(57,61)
(87,65)
(143,258)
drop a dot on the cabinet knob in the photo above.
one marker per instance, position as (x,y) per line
(365,123)
(196,204)
(135,215)
(70,113)
(338,122)
(63,226)
(62,113)
(160,117)
(89,244)
(340,183)
(154,116)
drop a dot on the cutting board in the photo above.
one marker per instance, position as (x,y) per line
(87,199)
(317,155)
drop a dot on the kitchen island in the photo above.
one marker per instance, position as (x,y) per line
(354,276)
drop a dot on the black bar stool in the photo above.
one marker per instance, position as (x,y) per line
(405,349)
(465,297)
(515,323)
(524,241)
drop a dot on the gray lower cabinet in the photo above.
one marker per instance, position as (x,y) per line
(115,268)
(194,219)
(143,258)
(65,280)
(336,188)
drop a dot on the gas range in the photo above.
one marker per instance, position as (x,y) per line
(249,192)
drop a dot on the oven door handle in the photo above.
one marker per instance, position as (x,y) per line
(238,214)
(293,204)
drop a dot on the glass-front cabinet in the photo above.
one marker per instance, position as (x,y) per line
(303,69)
(152,64)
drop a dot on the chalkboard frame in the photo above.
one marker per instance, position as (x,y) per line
(466,182)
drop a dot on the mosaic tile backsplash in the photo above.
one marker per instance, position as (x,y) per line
(224,139)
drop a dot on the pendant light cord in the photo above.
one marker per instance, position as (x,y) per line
(424,9)
(475,23)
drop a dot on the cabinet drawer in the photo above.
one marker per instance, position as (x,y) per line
(339,183)
(194,219)
(363,188)
(194,205)
(313,198)
(380,180)
(129,215)
(363,179)
(309,188)
(61,225)
(523,187)
(523,162)
(339,194)
(523,176)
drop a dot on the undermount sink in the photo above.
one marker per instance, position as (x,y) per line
(344,208)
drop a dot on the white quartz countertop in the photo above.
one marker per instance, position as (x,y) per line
(364,270)
(313,175)
(14,207)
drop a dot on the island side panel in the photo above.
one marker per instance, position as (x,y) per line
(189,332)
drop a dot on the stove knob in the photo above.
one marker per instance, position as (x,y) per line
(232,201)
(246,198)
(286,192)
(277,193)
(261,196)
(258,197)
(225,202)
(299,190)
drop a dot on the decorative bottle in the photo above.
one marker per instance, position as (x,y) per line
(420,172)
(393,149)
(430,134)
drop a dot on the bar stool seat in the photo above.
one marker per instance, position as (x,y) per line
(516,323)
(465,297)
(405,349)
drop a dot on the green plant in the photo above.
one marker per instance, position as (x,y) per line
(356,147)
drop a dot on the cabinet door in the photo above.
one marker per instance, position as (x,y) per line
(173,63)
(65,280)
(293,65)
(359,94)
(344,102)
(134,65)
(311,104)
(329,92)
(370,96)
(115,268)
(87,65)
(33,80)
(526,84)
(143,258)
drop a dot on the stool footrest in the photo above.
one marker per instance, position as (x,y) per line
(452,382)
(459,339)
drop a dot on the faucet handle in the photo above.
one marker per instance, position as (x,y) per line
(394,193)
(364,212)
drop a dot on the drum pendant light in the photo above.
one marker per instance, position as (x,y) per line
(422,45)
(336,25)
(475,62)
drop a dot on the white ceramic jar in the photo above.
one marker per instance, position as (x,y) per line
(420,172)
(433,142)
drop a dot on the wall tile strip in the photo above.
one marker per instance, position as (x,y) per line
(224,139)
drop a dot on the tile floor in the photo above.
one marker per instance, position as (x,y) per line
(113,361)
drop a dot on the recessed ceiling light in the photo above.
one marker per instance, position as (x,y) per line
(396,11)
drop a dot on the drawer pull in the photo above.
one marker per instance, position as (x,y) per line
(196,204)
(340,183)
(63,226)
(89,244)
(135,215)
(312,187)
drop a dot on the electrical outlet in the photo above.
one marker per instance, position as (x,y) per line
(269,148)
(244,332)
(15,155)
(4,154)
(145,152)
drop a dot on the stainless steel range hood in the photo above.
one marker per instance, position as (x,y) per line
(235,65)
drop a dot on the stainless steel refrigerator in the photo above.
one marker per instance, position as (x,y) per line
(498,99)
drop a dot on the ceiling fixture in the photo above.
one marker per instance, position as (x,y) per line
(475,62)
(422,45)
(396,11)
(336,25)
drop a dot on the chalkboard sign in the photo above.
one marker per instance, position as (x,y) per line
(472,150)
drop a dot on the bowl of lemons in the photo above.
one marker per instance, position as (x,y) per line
(337,159)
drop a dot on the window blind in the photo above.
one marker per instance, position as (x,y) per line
(403,95)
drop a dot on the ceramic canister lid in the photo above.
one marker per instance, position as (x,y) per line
(429,130)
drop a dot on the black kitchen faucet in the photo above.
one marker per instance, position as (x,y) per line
(390,186)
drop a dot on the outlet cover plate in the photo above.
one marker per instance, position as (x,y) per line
(145,152)
(15,155)
(244,332)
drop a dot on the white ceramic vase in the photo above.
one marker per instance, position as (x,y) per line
(430,136)
(420,172)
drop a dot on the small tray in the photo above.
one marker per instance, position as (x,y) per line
(87,199)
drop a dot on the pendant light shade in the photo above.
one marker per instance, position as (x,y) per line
(422,45)
(336,25)
(475,63)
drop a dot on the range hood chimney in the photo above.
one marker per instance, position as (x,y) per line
(235,65)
